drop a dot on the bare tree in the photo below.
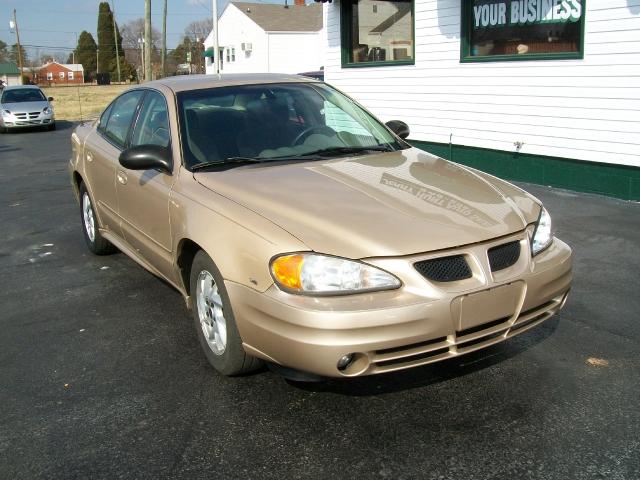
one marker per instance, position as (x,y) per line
(131,32)
(198,29)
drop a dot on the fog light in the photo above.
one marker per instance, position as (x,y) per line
(345,361)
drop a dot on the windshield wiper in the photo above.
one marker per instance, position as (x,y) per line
(217,163)
(327,152)
(346,150)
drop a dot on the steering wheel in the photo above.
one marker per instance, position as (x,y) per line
(303,135)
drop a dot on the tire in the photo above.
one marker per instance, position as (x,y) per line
(90,229)
(212,313)
(51,126)
(4,130)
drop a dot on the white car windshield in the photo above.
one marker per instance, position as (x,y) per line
(273,121)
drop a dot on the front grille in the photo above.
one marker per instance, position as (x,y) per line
(445,269)
(27,116)
(504,256)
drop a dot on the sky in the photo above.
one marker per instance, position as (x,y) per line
(50,26)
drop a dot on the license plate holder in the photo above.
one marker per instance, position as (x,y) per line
(503,302)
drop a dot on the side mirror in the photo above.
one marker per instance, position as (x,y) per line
(50,99)
(398,127)
(147,157)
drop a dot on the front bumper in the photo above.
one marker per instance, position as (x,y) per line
(420,323)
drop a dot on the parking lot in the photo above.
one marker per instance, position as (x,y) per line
(101,374)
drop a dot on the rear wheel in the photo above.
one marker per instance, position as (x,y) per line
(214,320)
(94,240)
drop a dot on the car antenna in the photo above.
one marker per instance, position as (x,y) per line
(80,105)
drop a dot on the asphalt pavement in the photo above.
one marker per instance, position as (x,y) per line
(101,374)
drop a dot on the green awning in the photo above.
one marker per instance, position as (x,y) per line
(208,52)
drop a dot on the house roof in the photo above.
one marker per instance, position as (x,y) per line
(276,18)
(9,68)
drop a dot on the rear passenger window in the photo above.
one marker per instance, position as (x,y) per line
(121,116)
(104,118)
(152,127)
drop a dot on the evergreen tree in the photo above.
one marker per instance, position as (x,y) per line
(106,40)
(85,54)
(13,54)
(4,53)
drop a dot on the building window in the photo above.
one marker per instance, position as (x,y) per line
(522,30)
(49,76)
(377,32)
(70,75)
(61,75)
(228,54)
(233,54)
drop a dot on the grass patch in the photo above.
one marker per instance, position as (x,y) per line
(70,101)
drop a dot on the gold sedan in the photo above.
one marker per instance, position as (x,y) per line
(303,232)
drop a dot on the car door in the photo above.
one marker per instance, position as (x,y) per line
(144,195)
(101,151)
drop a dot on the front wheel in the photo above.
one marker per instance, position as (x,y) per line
(94,240)
(214,320)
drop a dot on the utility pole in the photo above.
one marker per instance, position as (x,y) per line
(141,71)
(163,51)
(97,63)
(15,24)
(216,45)
(115,38)
(147,40)
(74,50)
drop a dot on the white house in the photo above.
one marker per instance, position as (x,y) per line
(259,37)
(546,91)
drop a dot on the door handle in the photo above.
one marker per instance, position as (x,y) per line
(89,157)
(122,177)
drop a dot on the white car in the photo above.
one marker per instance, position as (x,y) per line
(25,106)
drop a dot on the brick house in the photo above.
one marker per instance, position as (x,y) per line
(54,73)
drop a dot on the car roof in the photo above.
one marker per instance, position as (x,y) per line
(196,82)
(15,87)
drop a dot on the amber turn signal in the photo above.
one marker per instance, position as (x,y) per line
(287,269)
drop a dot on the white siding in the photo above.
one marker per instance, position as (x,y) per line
(10,80)
(294,52)
(583,109)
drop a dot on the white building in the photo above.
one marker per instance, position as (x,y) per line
(10,73)
(258,37)
(546,91)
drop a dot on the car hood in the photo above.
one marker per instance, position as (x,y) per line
(388,204)
(21,107)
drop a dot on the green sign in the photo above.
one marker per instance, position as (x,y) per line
(525,12)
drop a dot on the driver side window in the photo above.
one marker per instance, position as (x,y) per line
(152,127)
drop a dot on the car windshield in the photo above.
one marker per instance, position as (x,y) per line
(18,95)
(274,121)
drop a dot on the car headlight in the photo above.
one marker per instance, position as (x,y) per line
(6,113)
(542,235)
(311,273)
(47,111)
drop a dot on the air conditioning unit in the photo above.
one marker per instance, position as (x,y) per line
(246,47)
